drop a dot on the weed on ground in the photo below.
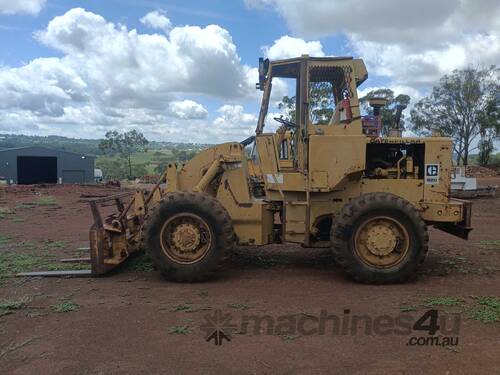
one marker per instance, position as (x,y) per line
(139,263)
(179,330)
(485,309)
(9,306)
(238,306)
(490,244)
(16,257)
(442,301)
(65,305)
(48,200)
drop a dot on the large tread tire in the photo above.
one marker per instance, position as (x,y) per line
(212,212)
(362,208)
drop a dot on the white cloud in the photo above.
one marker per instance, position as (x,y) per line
(111,77)
(43,87)
(124,65)
(412,42)
(389,21)
(259,4)
(157,19)
(233,123)
(424,68)
(288,47)
(32,7)
(187,109)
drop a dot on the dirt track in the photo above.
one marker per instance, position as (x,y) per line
(134,322)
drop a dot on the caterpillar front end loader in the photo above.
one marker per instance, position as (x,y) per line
(333,183)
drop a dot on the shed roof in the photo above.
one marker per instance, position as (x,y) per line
(44,148)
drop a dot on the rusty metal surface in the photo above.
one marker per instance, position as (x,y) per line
(114,237)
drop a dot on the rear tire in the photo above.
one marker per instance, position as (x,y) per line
(187,236)
(379,238)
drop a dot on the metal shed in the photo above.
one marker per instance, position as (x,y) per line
(34,165)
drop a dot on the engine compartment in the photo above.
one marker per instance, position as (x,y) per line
(395,160)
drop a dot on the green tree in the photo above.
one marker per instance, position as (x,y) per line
(178,156)
(117,169)
(388,112)
(489,130)
(463,106)
(322,102)
(162,164)
(112,169)
(183,156)
(322,105)
(124,145)
(287,105)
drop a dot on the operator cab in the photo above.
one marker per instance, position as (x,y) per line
(321,99)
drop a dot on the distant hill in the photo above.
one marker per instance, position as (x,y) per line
(82,146)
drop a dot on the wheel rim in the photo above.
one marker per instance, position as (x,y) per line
(185,238)
(381,242)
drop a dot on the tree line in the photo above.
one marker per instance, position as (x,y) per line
(121,148)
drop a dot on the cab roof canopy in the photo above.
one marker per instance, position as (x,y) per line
(320,67)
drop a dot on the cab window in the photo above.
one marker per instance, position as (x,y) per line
(327,89)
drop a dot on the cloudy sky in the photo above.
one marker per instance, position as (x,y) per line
(185,70)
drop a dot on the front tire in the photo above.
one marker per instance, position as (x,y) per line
(379,238)
(187,236)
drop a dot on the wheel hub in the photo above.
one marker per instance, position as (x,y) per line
(186,237)
(381,241)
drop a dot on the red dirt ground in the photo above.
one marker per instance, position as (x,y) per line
(125,320)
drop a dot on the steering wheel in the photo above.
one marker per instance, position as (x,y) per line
(287,124)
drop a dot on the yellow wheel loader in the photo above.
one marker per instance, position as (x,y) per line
(335,183)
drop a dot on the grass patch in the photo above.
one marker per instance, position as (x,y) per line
(140,263)
(17,220)
(179,330)
(185,308)
(490,244)
(290,337)
(238,306)
(4,211)
(57,244)
(24,206)
(8,306)
(65,305)
(188,309)
(13,262)
(25,257)
(443,301)
(485,309)
(408,308)
(48,200)
(4,239)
